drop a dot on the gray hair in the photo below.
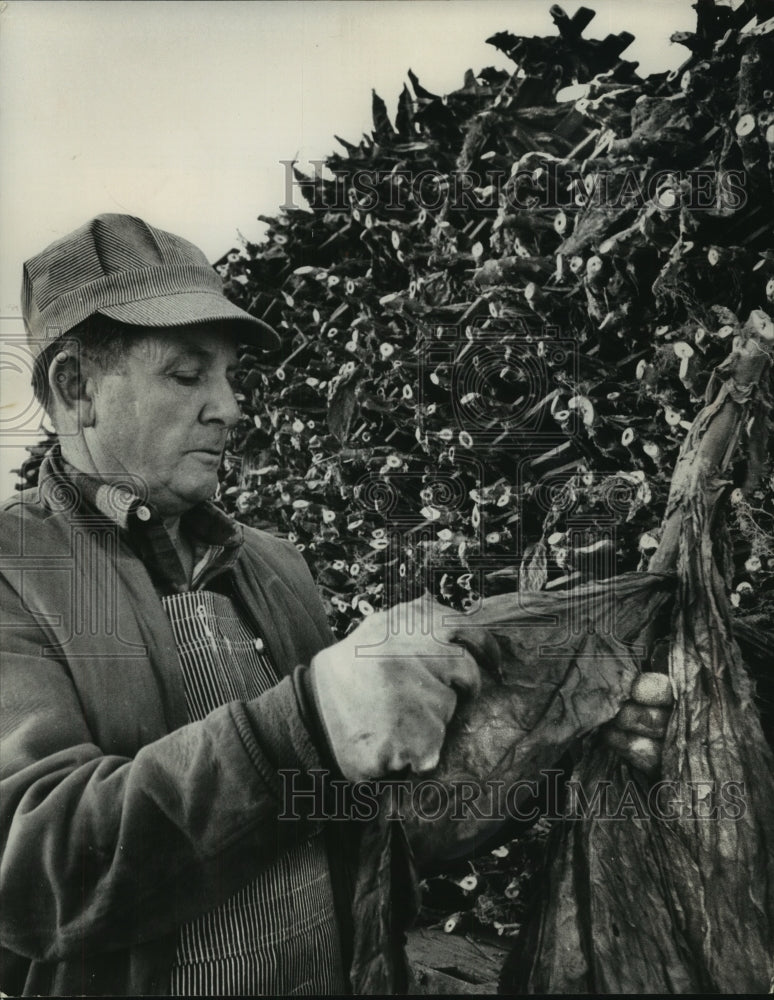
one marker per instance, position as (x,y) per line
(101,340)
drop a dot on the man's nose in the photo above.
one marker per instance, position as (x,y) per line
(223,405)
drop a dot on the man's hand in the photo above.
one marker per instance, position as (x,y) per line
(387,691)
(638,731)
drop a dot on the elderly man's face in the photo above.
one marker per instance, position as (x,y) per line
(165,414)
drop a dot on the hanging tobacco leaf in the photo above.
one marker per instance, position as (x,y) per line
(677,897)
(534,568)
(341,407)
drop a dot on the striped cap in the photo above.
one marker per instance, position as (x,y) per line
(119,266)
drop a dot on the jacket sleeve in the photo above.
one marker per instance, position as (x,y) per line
(101,851)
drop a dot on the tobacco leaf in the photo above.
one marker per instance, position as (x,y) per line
(645,904)
(567,663)
(681,898)
(534,569)
(341,407)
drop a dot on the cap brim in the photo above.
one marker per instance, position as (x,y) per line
(192,308)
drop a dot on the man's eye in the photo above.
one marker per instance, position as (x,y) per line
(186,378)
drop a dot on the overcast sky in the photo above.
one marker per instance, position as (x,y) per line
(181,112)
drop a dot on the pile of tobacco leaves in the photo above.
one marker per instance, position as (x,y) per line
(499,316)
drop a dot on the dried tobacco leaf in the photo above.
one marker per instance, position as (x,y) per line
(341,407)
(567,663)
(675,893)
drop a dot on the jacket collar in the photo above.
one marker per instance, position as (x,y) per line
(122,499)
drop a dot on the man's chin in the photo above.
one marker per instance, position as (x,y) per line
(201,492)
(188,495)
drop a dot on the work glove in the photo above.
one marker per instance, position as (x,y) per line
(386,692)
(637,732)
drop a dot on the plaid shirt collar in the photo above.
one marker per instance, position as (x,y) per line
(215,536)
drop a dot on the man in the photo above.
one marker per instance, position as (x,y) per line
(163,664)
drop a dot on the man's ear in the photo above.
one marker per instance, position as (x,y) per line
(72,387)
